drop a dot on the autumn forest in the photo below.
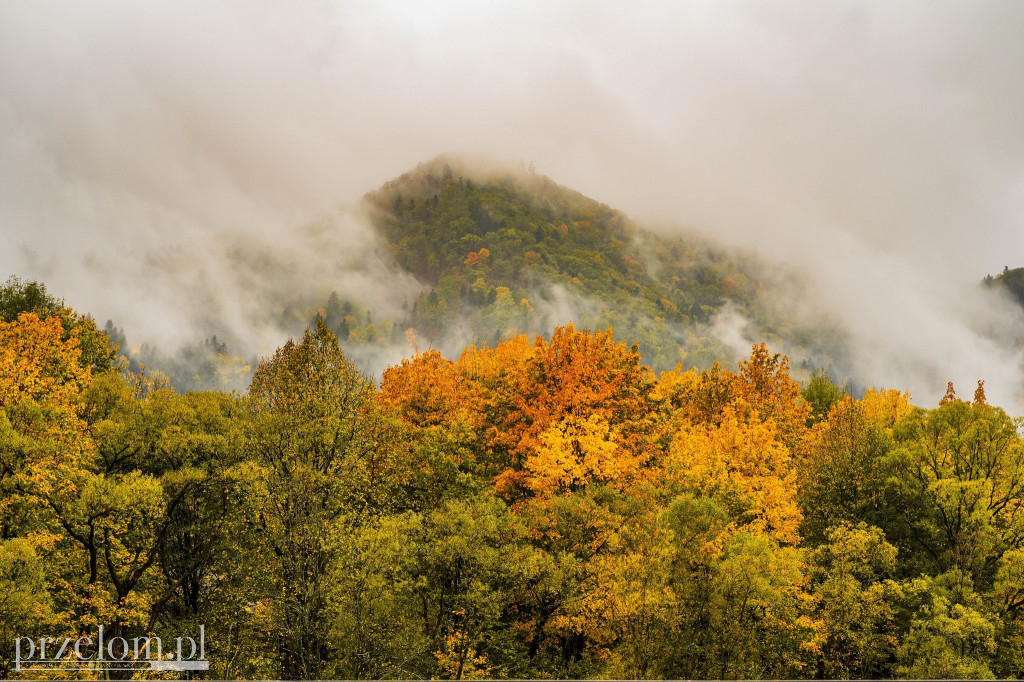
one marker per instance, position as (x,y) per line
(515,340)
(540,507)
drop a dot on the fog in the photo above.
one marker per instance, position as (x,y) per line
(152,154)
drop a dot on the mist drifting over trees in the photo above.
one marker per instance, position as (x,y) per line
(510,340)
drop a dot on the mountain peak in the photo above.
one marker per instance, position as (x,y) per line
(502,250)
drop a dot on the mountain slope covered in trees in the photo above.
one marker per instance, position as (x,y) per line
(507,251)
(493,252)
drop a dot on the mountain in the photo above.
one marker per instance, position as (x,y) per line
(485,252)
(503,251)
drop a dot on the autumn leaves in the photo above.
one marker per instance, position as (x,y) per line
(539,508)
(550,417)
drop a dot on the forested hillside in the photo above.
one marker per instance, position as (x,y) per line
(510,250)
(498,252)
(1012,281)
(536,508)
(507,251)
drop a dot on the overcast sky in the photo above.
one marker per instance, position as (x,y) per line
(880,144)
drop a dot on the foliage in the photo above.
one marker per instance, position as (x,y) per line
(503,252)
(537,508)
(1009,280)
(821,393)
(18,296)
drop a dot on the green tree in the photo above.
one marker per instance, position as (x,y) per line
(856,603)
(957,486)
(320,441)
(26,609)
(821,393)
(841,480)
(950,635)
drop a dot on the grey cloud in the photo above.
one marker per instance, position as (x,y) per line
(150,152)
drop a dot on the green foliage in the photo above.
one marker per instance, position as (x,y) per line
(844,482)
(821,393)
(735,615)
(856,596)
(514,252)
(950,636)
(25,604)
(315,435)
(957,480)
(1012,281)
(17,296)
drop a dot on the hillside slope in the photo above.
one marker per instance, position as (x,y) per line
(1010,280)
(507,251)
(485,253)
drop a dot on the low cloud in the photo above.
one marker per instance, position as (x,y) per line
(158,160)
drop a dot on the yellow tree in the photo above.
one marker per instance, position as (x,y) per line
(44,444)
(742,464)
(441,414)
(43,448)
(765,384)
(574,384)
